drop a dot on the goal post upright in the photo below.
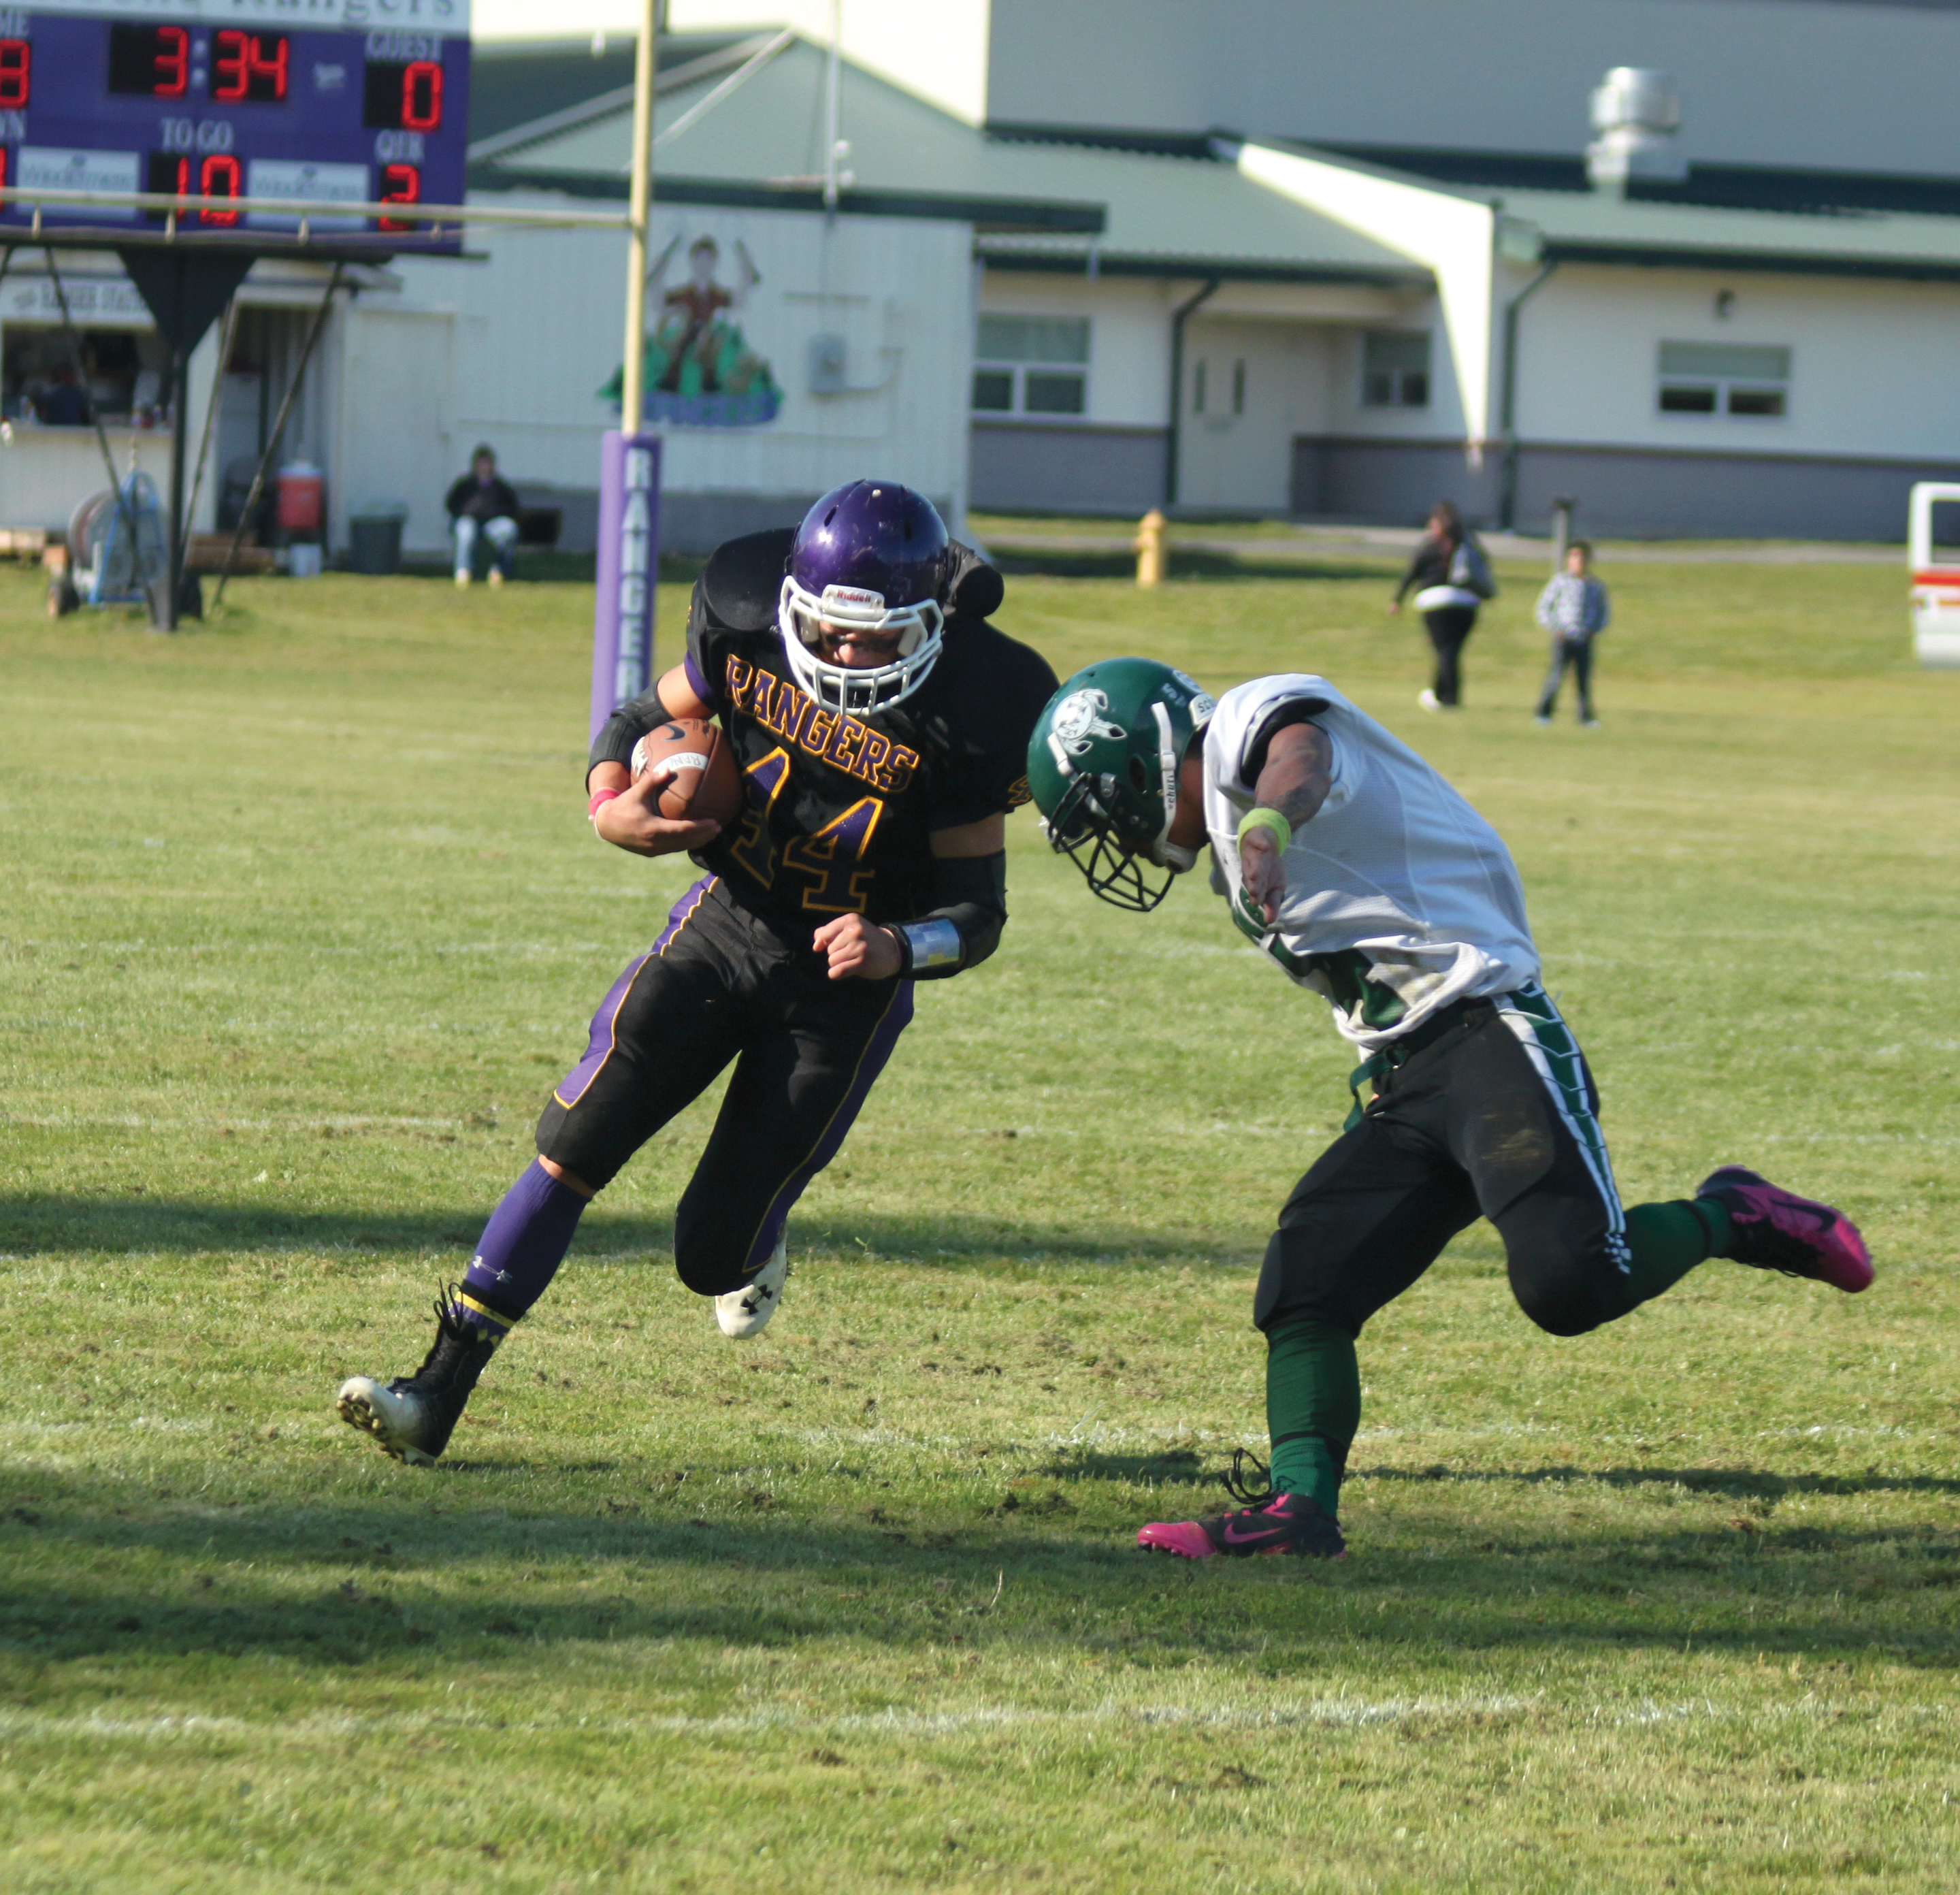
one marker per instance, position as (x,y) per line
(638,205)
(629,462)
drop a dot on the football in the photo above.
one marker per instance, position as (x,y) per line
(703,783)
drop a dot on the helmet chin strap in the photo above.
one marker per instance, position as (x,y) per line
(1164,852)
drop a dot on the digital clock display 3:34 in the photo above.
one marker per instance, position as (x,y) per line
(189,108)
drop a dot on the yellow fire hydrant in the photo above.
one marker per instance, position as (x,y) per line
(1152,545)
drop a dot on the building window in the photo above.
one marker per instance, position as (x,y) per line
(1032,365)
(1200,386)
(120,380)
(1394,368)
(1723,378)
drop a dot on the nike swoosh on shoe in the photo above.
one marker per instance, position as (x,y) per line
(1234,1538)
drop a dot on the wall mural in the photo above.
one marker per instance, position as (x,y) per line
(700,371)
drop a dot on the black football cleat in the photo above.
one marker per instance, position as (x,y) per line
(412,1417)
(1775,1229)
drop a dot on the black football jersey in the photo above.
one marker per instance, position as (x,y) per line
(840,807)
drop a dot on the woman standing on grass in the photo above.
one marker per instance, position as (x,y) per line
(1451,579)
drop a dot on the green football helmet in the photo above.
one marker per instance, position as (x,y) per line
(1103,766)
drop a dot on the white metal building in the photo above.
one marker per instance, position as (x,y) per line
(1282,256)
(1254,324)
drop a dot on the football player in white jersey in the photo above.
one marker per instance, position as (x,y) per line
(1370,880)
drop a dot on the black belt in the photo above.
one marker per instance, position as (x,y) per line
(1398,1051)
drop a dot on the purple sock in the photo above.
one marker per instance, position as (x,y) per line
(520,1251)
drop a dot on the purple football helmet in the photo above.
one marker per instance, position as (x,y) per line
(872,554)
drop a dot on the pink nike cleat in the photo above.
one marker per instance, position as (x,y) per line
(1776,1230)
(1281,1523)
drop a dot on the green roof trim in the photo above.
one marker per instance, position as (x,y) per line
(1757,262)
(763,146)
(1048,263)
(984,213)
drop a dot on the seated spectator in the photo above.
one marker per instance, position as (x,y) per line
(64,403)
(483,506)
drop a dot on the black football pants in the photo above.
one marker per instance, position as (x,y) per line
(721,984)
(1494,1117)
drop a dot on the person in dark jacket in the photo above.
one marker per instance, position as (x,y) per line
(483,505)
(64,403)
(1451,579)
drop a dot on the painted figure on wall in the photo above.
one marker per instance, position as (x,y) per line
(700,370)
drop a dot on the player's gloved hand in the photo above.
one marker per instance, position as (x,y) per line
(858,950)
(632,820)
(1262,872)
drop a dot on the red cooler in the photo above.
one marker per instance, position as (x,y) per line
(302,497)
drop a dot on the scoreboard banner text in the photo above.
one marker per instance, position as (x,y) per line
(446,16)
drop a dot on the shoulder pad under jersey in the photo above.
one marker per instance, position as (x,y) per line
(993,687)
(977,589)
(744,577)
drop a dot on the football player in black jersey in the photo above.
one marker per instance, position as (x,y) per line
(882,726)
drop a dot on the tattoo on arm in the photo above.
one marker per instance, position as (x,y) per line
(1298,773)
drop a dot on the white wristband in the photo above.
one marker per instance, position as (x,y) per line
(936,942)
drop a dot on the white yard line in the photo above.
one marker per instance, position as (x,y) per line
(1338,1712)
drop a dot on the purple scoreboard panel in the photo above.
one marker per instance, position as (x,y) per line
(340,101)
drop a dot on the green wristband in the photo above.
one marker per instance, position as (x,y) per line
(1269,819)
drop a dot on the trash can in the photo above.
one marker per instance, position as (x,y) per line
(375,538)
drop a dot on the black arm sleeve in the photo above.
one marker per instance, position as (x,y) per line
(965,928)
(626,727)
(1299,710)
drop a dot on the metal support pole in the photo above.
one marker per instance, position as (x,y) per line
(632,394)
(101,435)
(1173,444)
(226,336)
(1561,529)
(279,429)
(179,523)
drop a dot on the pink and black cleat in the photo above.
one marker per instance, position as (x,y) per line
(1283,1523)
(1776,1230)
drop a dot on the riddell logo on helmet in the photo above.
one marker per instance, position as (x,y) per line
(854,597)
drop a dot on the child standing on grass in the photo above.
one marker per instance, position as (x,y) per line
(1574,609)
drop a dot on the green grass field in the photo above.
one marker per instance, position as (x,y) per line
(301,917)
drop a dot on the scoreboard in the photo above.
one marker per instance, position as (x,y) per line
(347,102)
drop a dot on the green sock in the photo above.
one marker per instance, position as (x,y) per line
(1313,1406)
(1669,1239)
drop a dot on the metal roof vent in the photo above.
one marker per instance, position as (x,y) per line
(1636,113)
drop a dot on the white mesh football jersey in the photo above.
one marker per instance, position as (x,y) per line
(1396,864)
